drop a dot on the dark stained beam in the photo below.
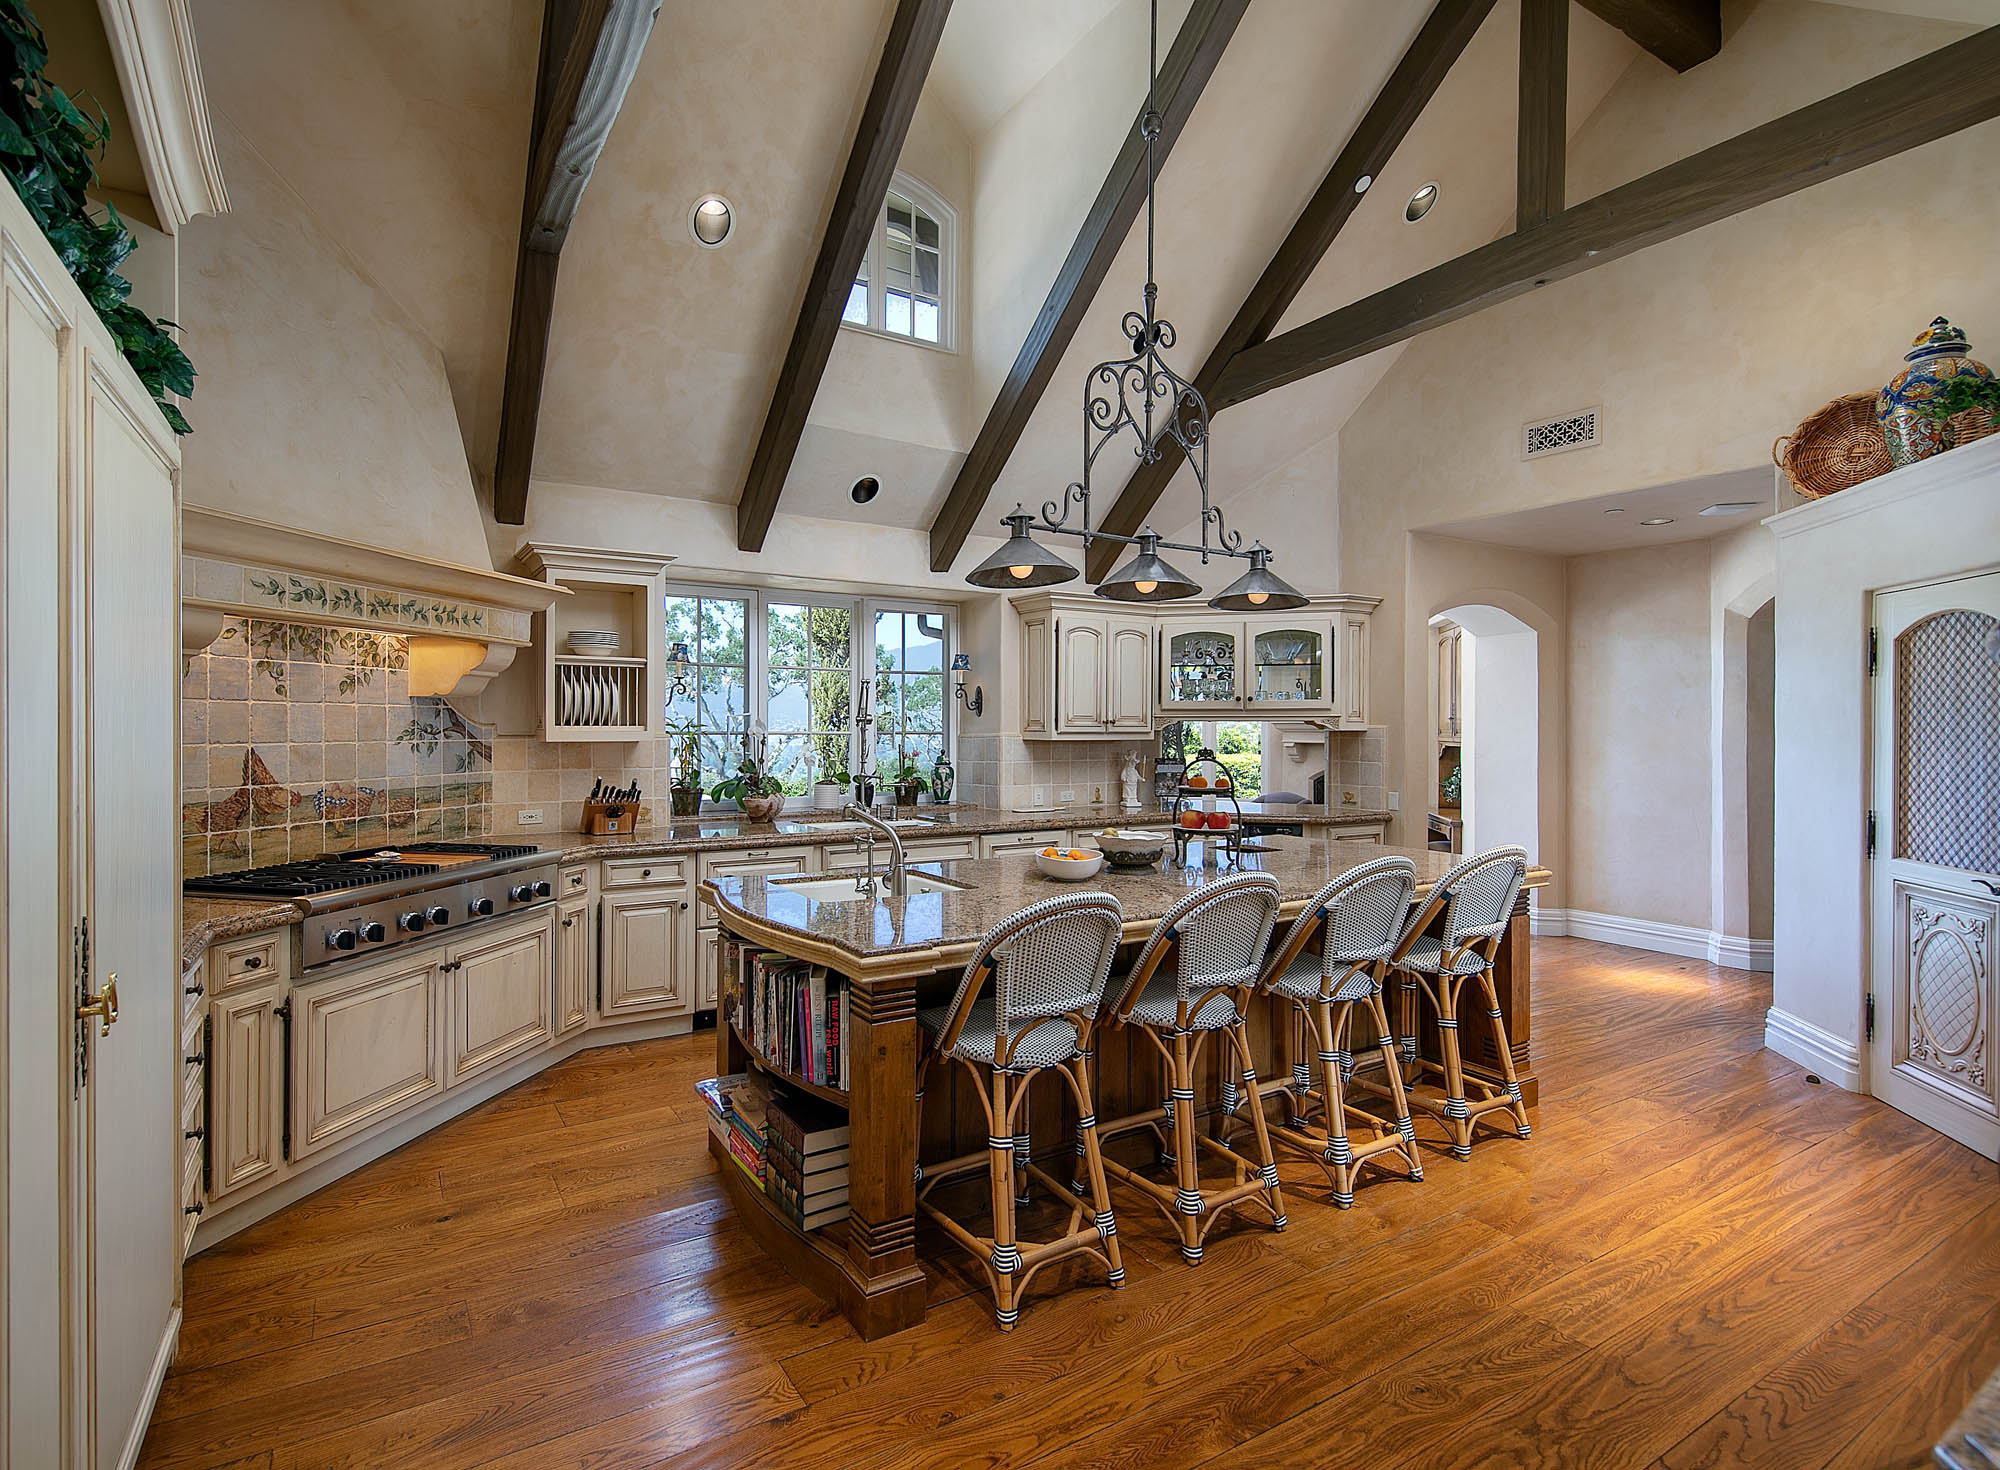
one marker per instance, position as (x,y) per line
(871,163)
(1927,99)
(1189,63)
(1446,33)
(1682,33)
(1544,112)
(590,49)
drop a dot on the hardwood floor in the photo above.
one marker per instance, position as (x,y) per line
(1699,1259)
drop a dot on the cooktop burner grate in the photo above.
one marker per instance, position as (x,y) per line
(303,879)
(419,849)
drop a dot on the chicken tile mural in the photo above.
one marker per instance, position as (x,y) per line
(298,739)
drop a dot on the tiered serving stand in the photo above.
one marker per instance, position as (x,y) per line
(1221,841)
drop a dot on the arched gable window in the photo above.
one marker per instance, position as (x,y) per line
(905,285)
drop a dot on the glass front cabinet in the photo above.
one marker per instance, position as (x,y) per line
(1291,664)
(1201,666)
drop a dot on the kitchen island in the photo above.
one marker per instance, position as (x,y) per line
(894,954)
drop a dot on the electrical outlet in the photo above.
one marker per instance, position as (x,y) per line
(528,816)
(1395,801)
(1039,796)
(1068,798)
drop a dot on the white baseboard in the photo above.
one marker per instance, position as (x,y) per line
(135,1437)
(1834,1058)
(1679,939)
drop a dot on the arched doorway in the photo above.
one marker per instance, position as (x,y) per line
(1499,728)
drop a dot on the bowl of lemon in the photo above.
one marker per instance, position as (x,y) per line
(1069,864)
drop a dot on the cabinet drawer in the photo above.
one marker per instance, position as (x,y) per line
(631,872)
(844,859)
(244,961)
(191,1033)
(573,880)
(758,860)
(996,843)
(194,1093)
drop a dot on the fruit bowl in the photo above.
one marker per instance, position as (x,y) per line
(1058,864)
(1132,849)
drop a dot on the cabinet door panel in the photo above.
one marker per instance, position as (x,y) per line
(1291,665)
(575,973)
(1128,678)
(1201,667)
(1080,658)
(500,999)
(245,1088)
(648,944)
(1037,677)
(708,959)
(365,1047)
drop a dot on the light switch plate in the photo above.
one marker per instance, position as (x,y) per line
(1068,798)
(1395,801)
(528,816)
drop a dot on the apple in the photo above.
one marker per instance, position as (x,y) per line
(1191,821)
(1218,821)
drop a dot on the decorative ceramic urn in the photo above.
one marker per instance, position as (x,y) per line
(1938,355)
(943,779)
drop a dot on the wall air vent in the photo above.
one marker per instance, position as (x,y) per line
(1560,435)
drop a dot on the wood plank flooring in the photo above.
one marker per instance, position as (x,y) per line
(1699,1259)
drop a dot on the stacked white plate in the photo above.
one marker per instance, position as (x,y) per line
(593,643)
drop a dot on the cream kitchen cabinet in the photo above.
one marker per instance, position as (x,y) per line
(366,1046)
(646,963)
(498,996)
(1086,672)
(576,963)
(1446,650)
(1292,665)
(1310,665)
(708,960)
(246,1087)
(996,843)
(1201,667)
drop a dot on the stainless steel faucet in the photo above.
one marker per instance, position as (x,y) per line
(899,878)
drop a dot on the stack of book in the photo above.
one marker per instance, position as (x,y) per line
(806,1149)
(738,1116)
(791,1014)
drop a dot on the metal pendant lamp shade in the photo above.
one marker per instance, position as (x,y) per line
(1022,562)
(1146,578)
(1259,589)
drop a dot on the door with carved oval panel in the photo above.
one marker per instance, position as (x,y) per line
(1935,884)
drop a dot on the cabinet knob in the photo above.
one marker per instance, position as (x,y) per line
(645,872)
(683,905)
(254,962)
(568,922)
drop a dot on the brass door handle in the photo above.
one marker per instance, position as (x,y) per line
(103,1005)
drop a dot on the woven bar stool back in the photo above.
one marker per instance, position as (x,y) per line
(1218,937)
(1027,1002)
(1359,919)
(1477,898)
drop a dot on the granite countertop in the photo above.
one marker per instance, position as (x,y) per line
(997,887)
(205,921)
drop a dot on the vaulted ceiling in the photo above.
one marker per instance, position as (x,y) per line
(405,129)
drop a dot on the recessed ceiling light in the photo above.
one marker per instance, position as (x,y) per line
(711,221)
(1728,508)
(1658,521)
(1361,184)
(1420,203)
(865,489)
(1616,510)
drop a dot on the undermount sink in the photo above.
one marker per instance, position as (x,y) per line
(842,890)
(852,826)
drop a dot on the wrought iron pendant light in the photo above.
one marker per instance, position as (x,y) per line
(1124,395)
(1022,562)
(1259,589)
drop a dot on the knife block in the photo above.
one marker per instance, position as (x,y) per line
(609,818)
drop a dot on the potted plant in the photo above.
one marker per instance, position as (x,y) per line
(756,790)
(908,781)
(686,785)
(830,791)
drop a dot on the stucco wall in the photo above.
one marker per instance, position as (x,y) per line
(1639,734)
(319,403)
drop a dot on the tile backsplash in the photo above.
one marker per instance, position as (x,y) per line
(298,739)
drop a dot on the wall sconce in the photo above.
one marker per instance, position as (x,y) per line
(976,704)
(678,659)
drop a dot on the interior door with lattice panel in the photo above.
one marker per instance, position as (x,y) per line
(1935,885)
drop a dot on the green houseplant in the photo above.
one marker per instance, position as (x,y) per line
(685,787)
(752,787)
(49,150)
(1967,392)
(908,781)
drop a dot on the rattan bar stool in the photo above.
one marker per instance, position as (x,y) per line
(1218,936)
(1027,1004)
(1477,900)
(1358,917)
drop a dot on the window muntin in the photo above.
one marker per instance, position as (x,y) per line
(1238,744)
(809,658)
(903,286)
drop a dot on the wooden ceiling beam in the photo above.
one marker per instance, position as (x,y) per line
(1682,33)
(864,184)
(590,50)
(1543,137)
(1932,97)
(1189,63)
(1446,33)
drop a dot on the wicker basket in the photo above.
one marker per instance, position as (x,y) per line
(1839,446)
(1974,423)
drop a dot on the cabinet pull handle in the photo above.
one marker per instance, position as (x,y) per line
(253,962)
(194,989)
(1989,885)
(195,1058)
(195,1133)
(191,1210)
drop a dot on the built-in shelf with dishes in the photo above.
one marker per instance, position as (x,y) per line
(603,644)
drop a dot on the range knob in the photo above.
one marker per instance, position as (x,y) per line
(480,907)
(521,893)
(542,889)
(438,916)
(373,932)
(413,923)
(340,939)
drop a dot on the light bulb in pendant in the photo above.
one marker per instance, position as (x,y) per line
(1147,588)
(1260,598)
(1020,573)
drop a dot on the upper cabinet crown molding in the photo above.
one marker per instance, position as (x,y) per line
(152,43)
(551,559)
